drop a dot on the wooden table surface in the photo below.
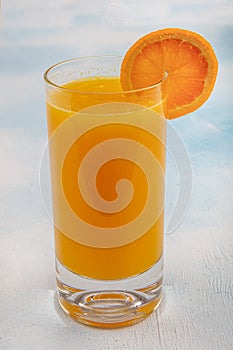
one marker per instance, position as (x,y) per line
(196,311)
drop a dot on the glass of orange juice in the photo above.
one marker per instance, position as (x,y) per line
(107,160)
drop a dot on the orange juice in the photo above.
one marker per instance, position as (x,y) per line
(136,256)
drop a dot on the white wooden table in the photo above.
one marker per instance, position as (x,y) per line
(196,311)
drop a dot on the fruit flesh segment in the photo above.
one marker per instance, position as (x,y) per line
(186,56)
(186,66)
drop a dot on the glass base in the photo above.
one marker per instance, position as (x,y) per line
(109,303)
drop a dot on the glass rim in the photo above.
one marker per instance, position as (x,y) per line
(65,89)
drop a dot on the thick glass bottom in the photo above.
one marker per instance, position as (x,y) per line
(109,303)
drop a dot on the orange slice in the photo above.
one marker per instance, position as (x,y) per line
(189,60)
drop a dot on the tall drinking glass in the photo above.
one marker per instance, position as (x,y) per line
(107,159)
